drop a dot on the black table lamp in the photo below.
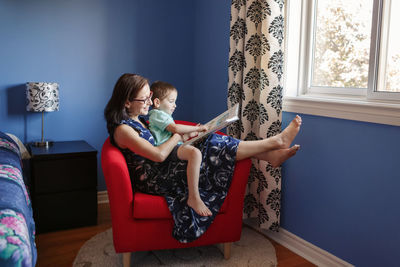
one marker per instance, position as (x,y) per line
(41,97)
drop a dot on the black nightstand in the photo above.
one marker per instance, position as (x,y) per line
(64,185)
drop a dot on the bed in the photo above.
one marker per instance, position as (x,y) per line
(17,227)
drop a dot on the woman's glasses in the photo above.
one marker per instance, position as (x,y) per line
(144,101)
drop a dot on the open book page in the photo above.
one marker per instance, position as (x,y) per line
(218,123)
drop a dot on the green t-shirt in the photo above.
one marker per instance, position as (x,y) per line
(158,121)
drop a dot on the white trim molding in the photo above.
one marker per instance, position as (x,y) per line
(102,197)
(300,246)
(354,108)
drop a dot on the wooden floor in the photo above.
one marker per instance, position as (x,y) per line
(60,248)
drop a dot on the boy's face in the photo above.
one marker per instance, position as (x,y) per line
(168,103)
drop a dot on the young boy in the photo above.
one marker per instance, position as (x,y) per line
(162,126)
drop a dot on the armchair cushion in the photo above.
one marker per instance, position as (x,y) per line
(155,207)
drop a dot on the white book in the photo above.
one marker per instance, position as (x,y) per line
(218,123)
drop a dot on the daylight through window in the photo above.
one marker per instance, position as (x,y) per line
(344,47)
(341,43)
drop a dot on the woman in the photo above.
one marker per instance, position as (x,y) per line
(157,170)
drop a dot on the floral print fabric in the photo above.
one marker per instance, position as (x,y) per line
(15,246)
(256,83)
(17,228)
(169,179)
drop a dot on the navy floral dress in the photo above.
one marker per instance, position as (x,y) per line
(168,179)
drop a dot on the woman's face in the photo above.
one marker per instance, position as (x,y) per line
(140,105)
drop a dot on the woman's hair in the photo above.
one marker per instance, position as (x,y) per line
(161,89)
(126,88)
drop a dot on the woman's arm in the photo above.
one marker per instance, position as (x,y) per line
(126,137)
(184,129)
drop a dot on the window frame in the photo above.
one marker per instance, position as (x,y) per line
(356,104)
(381,14)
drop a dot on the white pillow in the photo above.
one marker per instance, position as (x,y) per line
(22,149)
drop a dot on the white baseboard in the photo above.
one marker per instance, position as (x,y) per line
(300,246)
(102,197)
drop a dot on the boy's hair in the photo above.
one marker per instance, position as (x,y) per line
(161,89)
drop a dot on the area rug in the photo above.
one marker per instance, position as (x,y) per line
(253,249)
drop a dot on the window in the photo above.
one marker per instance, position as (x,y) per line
(340,50)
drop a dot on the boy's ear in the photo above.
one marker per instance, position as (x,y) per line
(156,102)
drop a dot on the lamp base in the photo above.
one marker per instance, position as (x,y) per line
(43,144)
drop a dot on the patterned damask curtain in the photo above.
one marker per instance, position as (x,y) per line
(255,81)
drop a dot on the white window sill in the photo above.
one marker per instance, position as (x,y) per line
(351,108)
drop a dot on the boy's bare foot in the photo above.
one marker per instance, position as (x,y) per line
(290,132)
(199,207)
(277,157)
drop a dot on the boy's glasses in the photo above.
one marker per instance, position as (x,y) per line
(144,101)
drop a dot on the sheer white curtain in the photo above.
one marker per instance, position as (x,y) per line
(255,81)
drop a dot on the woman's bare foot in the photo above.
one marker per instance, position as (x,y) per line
(287,136)
(277,157)
(199,207)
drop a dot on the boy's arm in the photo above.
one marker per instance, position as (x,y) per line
(184,129)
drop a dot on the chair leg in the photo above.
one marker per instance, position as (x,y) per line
(126,259)
(227,250)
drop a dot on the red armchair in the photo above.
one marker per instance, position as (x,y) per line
(142,222)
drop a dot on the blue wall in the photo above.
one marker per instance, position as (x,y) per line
(337,193)
(83,45)
(211,47)
(163,49)
(341,191)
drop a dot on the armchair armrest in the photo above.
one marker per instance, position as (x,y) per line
(118,182)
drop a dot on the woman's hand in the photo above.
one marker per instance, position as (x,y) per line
(185,137)
(189,136)
(181,137)
(202,128)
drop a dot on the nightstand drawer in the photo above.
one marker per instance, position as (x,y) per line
(65,210)
(62,175)
(63,185)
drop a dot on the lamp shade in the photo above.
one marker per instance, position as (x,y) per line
(42,96)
